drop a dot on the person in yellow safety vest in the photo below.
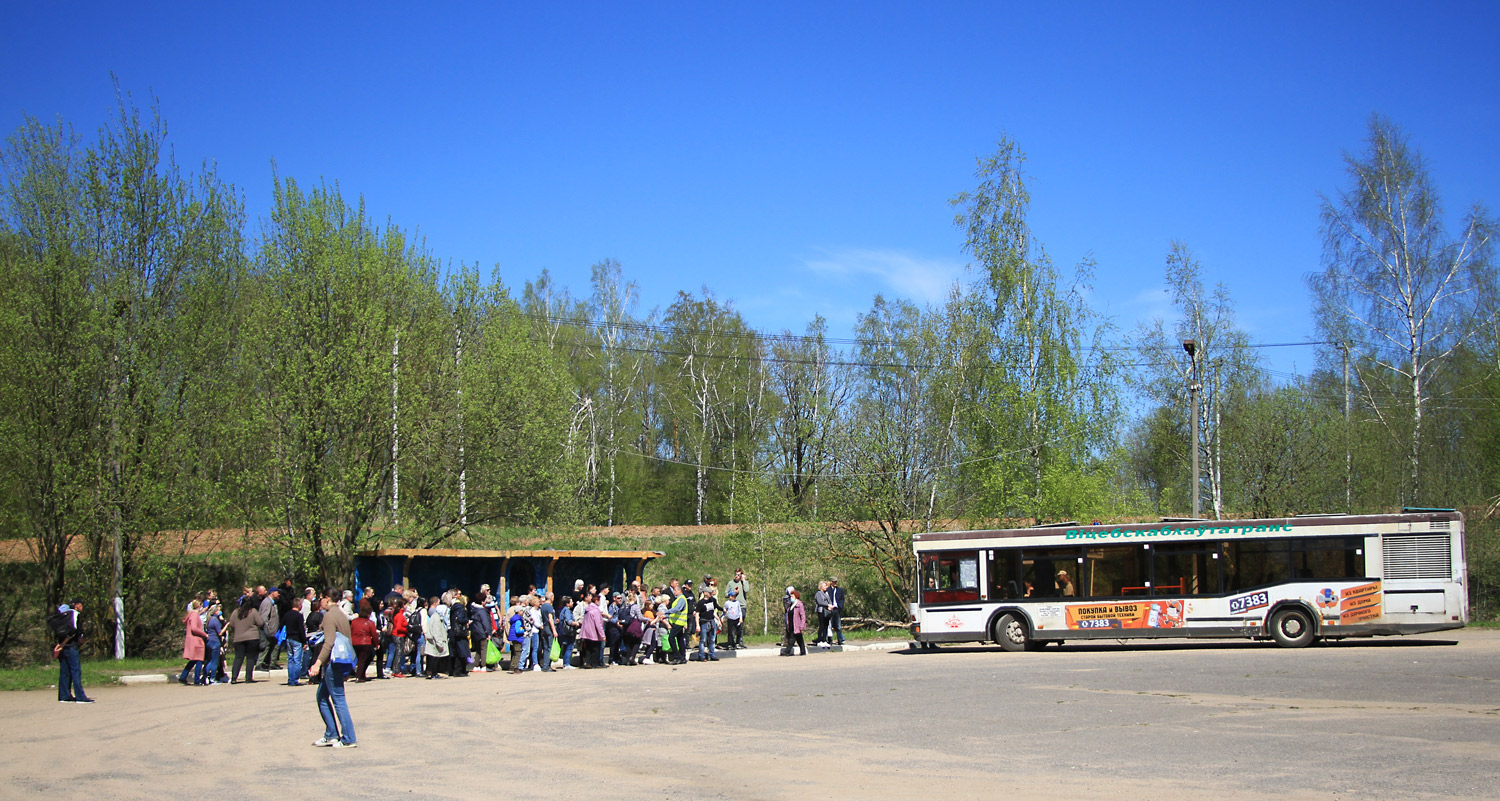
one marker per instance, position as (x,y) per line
(677,615)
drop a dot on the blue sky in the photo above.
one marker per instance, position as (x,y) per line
(798,158)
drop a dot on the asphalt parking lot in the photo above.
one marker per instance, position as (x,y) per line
(1385,718)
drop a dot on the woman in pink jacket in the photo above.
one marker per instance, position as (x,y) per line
(194,641)
(798,614)
(592,633)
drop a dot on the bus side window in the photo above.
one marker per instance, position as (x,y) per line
(1004,582)
(1117,571)
(1186,568)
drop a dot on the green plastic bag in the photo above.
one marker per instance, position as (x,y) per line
(491,654)
(556,652)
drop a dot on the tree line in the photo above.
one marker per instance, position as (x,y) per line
(167,367)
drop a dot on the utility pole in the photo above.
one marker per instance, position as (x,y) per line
(1348,433)
(1194,387)
(463,482)
(395,434)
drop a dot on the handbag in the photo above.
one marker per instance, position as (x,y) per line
(343,652)
(555,653)
(635,629)
(491,653)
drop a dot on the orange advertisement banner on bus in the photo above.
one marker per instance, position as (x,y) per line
(1131,615)
(1359,604)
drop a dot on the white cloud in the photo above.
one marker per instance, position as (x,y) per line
(1147,306)
(907,275)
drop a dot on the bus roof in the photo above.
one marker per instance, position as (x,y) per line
(1176,528)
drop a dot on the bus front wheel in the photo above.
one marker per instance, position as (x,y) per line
(1292,628)
(1011,633)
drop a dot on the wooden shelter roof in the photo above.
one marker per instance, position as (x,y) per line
(546,553)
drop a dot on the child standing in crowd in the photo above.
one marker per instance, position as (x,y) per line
(734,621)
(296,644)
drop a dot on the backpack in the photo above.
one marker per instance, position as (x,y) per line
(60,624)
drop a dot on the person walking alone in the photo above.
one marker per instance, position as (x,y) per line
(338,727)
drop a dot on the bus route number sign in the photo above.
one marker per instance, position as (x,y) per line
(1245,603)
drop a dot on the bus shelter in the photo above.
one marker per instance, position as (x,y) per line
(434,571)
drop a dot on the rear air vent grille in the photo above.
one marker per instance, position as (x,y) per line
(1418,556)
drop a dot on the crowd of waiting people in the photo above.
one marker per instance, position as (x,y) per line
(403,634)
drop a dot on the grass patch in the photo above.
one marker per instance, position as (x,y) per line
(1483,624)
(96,672)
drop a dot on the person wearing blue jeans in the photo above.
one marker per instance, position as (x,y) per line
(529,648)
(708,623)
(338,727)
(296,644)
(294,656)
(214,627)
(567,631)
(69,671)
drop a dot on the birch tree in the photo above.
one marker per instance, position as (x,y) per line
(1398,286)
(1226,366)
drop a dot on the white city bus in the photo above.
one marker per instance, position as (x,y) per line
(1293,580)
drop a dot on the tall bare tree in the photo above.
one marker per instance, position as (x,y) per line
(1398,286)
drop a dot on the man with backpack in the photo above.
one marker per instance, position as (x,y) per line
(68,633)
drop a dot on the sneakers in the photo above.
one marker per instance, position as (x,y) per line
(82,701)
(340,744)
(324,742)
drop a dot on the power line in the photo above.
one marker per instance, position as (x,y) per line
(833,476)
(789,338)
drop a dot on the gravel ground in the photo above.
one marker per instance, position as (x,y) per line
(1402,718)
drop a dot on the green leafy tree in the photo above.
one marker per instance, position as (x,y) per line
(1045,405)
(336,294)
(51,350)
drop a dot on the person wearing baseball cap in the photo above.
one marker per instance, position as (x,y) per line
(69,633)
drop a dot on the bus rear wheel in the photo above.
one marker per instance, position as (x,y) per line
(1292,628)
(1011,633)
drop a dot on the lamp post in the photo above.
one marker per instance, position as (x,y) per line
(1194,387)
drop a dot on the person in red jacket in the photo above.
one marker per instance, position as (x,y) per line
(362,633)
(395,657)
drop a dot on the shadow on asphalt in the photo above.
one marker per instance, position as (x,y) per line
(1178,645)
